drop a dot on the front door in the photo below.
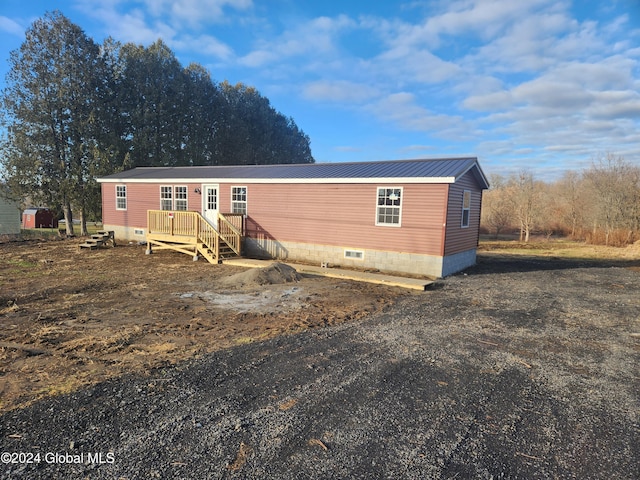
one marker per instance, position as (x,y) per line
(210,204)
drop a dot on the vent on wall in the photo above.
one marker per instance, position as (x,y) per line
(138,231)
(354,254)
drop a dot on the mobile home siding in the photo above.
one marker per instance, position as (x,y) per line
(316,213)
(140,198)
(460,239)
(345,215)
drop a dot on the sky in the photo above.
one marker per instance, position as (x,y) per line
(543,86)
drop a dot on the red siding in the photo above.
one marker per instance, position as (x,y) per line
(140,198)
(326,214)
(344,215)
(459,239)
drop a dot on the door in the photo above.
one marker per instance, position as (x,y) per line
(210,204)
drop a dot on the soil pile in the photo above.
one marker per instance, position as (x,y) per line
(274,274)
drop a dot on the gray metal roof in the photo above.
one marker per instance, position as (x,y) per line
(445,170)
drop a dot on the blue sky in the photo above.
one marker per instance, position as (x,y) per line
(542,85)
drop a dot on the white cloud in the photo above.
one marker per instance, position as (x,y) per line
(195,13)
(11,26)
(207,45)
(403,109)
(339,91)
(313,38)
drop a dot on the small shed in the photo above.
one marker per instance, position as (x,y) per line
(9,216)
(39,217)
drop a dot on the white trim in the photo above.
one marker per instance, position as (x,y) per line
(126,203)
(246,198)
(213,220)
(186,198)
(249,181)
(396,225)
(462,225)
(161,198)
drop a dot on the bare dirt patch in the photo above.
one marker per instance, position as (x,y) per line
(524,366)
(71,318)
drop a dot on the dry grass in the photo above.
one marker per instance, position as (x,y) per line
(566,249)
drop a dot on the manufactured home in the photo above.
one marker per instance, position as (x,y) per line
(418,217)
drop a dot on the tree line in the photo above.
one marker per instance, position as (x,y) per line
(73,110)
(599,205)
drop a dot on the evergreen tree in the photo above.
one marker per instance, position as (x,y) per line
(50,107)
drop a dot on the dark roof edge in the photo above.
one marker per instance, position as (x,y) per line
(480,175)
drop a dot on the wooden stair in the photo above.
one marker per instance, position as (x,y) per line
(189,233)
(99,239)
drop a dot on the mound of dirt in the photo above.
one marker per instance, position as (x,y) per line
(275,273)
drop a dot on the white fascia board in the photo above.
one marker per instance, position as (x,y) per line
(386,180)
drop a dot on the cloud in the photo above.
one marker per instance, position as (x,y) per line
(403,109)
(194,13)
(11,26)
(313,38)
(207,44)
(339,91)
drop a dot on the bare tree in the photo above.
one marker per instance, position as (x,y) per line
(614,183)
(497,213)
(524,196)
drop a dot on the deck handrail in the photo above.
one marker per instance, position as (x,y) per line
(229,233)
(192,224)
(235,219)
(172,222)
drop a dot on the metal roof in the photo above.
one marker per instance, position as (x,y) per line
(443,170)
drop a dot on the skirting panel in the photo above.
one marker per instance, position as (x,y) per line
(127,234)
(385,261)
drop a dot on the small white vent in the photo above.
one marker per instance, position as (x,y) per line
(354,254)
(138,231)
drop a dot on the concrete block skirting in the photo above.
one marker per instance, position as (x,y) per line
(385,261)
(127,234)
(458,261)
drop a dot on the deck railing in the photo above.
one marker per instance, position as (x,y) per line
(229,232)
(235,219)
(181,225)
(171,222)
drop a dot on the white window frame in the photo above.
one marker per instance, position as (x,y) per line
(121,189)
(239,203)
(399,207)
(467,209)
(163,198)
(178,201)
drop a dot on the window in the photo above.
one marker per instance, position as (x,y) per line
(166,198)
(121,197)
(181,198)
(212,198)
(466,208)
(389,206)
(239,200)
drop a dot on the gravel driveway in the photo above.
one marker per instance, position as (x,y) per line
(520,368)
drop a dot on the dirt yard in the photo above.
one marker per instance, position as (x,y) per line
(72,318)
(525,366)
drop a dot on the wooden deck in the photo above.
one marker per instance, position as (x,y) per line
(190,233)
